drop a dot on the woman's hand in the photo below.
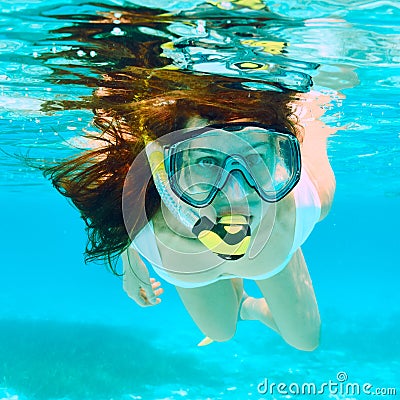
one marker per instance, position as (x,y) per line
(150,296)
(137,282)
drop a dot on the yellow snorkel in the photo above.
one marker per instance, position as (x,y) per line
(229,237)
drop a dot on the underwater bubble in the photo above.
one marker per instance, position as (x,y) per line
(117,32)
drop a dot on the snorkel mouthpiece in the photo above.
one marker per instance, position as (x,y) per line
(229,238)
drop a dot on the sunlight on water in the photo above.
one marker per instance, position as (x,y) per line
(352,50)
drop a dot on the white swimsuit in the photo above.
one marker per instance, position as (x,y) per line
(308,211)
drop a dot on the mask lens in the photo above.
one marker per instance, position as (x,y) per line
(199,166)
(275,165)
(197,171)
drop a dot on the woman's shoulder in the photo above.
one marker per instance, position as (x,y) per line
(144,239)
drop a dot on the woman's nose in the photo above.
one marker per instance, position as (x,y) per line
(236,186)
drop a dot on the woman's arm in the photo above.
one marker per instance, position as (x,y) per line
(309,109)
(137,282)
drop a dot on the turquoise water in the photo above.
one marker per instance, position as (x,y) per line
(68,331)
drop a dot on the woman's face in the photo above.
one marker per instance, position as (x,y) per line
(236,196)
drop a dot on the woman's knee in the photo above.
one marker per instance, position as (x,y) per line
(220,333)
(217,327)
(305,338)
(213,308)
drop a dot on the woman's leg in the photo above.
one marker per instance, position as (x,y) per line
(214,308)
(292,304)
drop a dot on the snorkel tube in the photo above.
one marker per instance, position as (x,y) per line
(229,237)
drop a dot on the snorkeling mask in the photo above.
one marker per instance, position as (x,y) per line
(196,166)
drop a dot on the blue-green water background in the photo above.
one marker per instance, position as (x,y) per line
(68,330)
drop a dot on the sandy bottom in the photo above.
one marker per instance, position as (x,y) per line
(58,360)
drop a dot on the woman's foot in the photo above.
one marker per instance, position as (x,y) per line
(205,342)
(245,296)
(252,308)
(256,309)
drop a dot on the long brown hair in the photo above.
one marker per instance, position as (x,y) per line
(153,102)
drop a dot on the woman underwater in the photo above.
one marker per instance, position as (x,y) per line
(207,183)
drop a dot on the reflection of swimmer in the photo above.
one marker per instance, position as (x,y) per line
(233,4)
(261,60)
(268,46)
(227,171)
